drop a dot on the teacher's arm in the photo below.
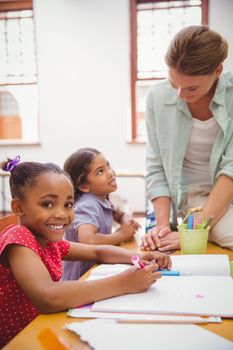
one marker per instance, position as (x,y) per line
(156,182)
(221,194)
(219,199)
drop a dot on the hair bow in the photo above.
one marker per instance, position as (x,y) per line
(12,164)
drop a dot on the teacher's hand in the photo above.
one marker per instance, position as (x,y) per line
(151,240)
(169,242)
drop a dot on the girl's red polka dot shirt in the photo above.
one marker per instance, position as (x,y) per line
(16,309)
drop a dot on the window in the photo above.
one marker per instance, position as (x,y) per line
(153,24)
(18,76)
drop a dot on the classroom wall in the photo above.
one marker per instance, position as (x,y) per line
(84,83)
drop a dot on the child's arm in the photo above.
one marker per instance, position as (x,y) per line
(88,233)
(111,254)
(101,253)
(49,296)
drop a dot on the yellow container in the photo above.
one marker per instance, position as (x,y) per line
(193,241)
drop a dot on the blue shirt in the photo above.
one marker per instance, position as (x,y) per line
(169,125)
(88,209)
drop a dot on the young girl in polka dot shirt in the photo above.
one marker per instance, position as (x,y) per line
(31,252)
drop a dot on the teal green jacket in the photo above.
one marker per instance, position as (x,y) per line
(169,125)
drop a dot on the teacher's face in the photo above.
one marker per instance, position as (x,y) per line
(192,88)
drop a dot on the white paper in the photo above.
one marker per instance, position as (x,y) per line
(202,264)
(192,295)
(86,312)
(104,270)
(194,264)
(108,334)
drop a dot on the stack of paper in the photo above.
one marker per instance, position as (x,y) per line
(137,321)
(108,334)
(87,312)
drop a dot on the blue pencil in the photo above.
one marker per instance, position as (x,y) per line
(190,222)
(173,273)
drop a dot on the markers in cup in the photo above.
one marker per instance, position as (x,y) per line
(208,222)
(190,222)
(191,211)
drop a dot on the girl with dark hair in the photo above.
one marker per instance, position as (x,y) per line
(31,252)
(94,180)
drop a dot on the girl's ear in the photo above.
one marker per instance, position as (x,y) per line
(84,188)
(16,207)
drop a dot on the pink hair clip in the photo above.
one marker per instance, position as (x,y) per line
(12,164)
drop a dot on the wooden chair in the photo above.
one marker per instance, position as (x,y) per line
(8,220)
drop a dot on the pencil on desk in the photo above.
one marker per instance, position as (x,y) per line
(178,321)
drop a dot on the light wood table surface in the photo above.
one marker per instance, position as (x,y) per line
(27,338)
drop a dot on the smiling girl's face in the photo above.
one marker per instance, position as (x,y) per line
(47,208)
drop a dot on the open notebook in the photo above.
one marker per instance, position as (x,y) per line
(206,291)
(193,264)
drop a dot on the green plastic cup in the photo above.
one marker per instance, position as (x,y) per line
(193,241)
(231,267)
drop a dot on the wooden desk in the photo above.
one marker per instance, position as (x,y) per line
(27,338)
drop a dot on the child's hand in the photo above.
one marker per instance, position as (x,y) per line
(162,260)
(136,224)
(139,280)
(127,231)
(127,217)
